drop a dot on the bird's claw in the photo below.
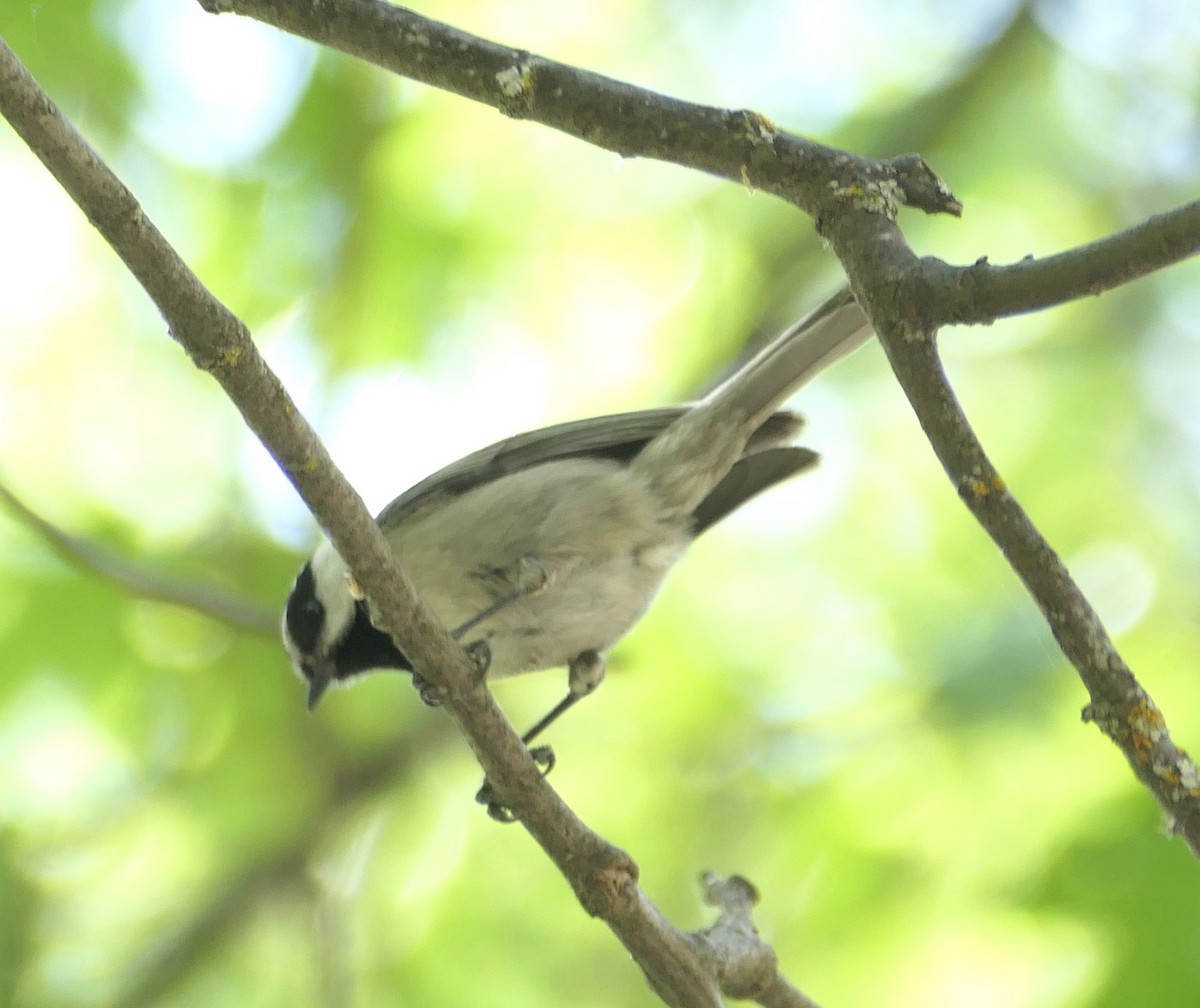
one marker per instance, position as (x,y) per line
(543,756)
(426,691)
(480,654)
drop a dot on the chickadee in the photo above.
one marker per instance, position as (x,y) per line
(554,542)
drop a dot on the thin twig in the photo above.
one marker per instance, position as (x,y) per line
(731,945)
(242,613)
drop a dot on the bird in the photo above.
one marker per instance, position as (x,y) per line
(549,546)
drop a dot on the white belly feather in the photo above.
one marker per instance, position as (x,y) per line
(589,525)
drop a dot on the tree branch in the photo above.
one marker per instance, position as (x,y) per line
(889,282)
(603,877)
(983,293)
(739,145)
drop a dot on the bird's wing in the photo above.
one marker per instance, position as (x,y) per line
(618,437)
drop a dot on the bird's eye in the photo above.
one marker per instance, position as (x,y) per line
(304,617)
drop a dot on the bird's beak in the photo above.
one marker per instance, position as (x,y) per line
(319,676)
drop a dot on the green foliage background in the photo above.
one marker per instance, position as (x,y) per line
(843,694)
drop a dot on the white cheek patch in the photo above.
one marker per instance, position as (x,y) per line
(335,589)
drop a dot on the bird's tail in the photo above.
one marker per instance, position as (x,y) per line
(831,331)
(691,457)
